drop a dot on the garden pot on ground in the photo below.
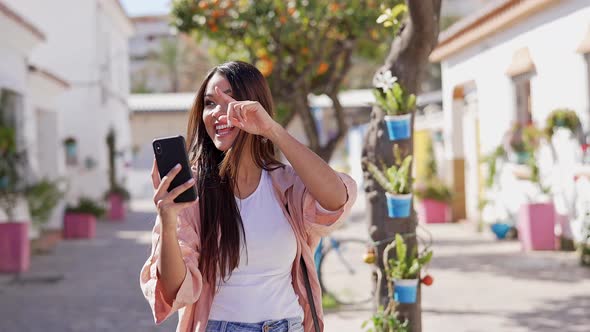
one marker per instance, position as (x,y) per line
(117,210)
(15,250)
(405,290)
(433,211)
(536,226)
(79,226)
(500,229)
(398,206)
(398,126)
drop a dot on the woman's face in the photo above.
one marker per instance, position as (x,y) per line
(215,113)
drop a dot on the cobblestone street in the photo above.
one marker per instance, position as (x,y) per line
(480,285)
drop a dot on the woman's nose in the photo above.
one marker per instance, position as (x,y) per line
(218,111)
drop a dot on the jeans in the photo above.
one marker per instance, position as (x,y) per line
(281,325)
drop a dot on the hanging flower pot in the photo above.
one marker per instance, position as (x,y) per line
(14,247)
(398,206)
(405,290)
(398,126)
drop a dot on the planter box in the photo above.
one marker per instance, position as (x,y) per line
(15,249)
(117,210)
(398,206)
(433,212)
(536,226)
(79,226)
(399,127)
(405,290)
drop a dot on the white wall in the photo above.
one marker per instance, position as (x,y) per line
(89,50)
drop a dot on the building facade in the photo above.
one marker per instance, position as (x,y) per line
(90,51)
(512,62)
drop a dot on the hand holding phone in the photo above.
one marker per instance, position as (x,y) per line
(171,176)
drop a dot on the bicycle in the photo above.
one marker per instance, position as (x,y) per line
(342,273)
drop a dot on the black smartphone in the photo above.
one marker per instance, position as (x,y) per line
(170,151)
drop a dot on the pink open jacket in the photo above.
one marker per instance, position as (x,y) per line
(195,296)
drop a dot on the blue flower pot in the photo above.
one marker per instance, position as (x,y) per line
(522,157)
(500,229)
(405,290)
(398,126)
(398,206)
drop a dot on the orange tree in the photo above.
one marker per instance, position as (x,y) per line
(301,46)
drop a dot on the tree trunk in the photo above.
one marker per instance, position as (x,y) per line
(408,59)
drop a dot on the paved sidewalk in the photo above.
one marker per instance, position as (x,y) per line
(480,285)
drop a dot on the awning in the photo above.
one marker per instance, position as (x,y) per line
(521,63)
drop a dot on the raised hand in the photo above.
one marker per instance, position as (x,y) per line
(247,115)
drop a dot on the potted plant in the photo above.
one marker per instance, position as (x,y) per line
(405,268)
(522,139)
(80,220)
(395,180)
(433,194)
(397,104)
(434,197)
(386,320)
(116,195)
(562,118)
(42,198)
(14,234)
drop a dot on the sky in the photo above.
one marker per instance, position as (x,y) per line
(145,7)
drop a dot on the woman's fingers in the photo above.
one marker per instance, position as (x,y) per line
(225,96)
(180,189)
(155,175)
(165,183)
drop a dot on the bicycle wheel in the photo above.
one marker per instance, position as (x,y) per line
(343,274)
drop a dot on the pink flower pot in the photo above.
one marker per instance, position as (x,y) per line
(536,226)
(15,250)
(433,212)
(79,226)
(117,209)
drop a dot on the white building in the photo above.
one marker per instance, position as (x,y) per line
(28,101)
(513,61)
(162,60)
(87,44)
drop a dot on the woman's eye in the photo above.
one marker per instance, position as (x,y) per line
(209,103)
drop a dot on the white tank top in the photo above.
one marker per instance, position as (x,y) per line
(261,288)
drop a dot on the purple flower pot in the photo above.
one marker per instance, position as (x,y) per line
(117,211)
(79,226)
(536,226)
(15,250)
(433,212)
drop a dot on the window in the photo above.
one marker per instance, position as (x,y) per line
(11,106)
(522,89)
(71,147)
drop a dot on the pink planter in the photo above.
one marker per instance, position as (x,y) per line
(117,209)
(79,226)
(536,226)
(433,212)
(15,250)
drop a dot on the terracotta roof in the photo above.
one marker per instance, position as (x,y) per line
(149,18)
(4,9)
(495,17)
(49,75)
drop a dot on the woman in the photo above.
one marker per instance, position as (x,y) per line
(232,260)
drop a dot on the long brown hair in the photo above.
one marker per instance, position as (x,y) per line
(217,171)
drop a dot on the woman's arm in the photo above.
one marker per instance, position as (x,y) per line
(319,178)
